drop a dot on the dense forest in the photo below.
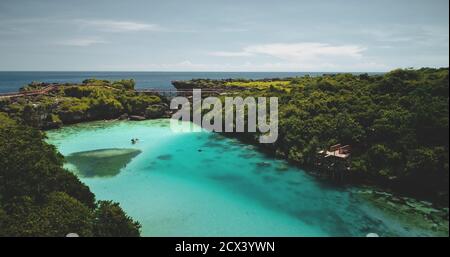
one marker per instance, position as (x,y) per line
(39,198)
(396,124)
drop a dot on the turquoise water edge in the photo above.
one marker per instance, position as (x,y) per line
(203,184)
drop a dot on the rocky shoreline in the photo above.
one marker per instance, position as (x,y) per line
(422,214)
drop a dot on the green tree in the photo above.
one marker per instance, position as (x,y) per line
(111,221)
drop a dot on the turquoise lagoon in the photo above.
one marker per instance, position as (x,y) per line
(203,184)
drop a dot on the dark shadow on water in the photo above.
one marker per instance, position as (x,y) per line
(269,179)
(151,166)
(165,157)
(261,165)
(247,155)
(102,162)
(226,177)
(333,212)
(213,144)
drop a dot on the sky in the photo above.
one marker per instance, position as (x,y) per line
(223,35)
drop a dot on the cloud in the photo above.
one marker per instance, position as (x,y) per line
(297,52)
(387,35)
(408,34)
(82,42)
(247,66)
(303,57)
(231,54)
(119,26)
(107,25)
(306,51)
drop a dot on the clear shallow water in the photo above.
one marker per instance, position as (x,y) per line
(225,189)
(11,81)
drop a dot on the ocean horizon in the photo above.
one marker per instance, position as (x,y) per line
(12,81)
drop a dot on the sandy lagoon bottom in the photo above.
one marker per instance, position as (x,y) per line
(202,184)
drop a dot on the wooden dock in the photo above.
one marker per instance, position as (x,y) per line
(335,161)
(338,151)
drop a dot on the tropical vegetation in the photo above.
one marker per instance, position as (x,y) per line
(72,103)
(397,124)
(38,197)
